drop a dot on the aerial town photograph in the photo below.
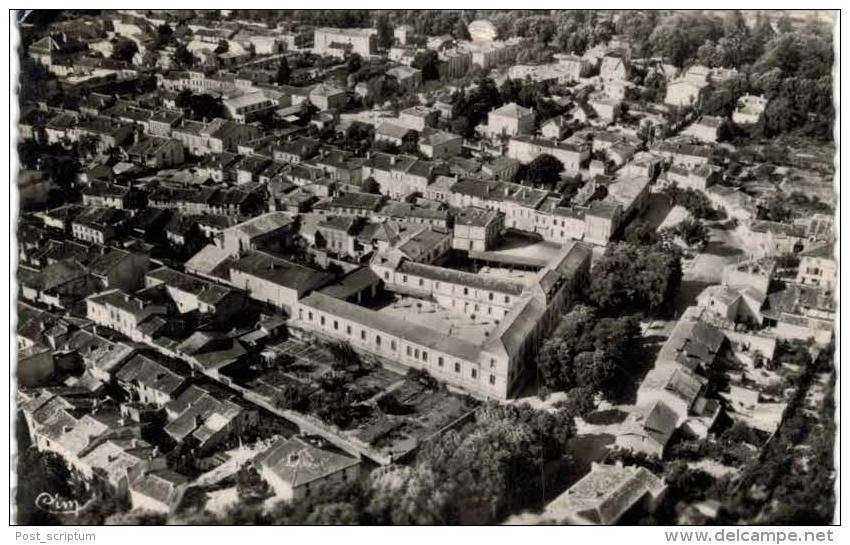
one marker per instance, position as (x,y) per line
(423,267)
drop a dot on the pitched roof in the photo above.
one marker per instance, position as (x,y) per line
(280,271)
(163,485)
(151,374)
(605,494)
(392,326)
(512,110)
(298,462)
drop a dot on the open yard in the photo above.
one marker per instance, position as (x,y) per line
(430,314)
(510,274)
(514,244)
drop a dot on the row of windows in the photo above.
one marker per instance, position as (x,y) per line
(412,352)
(421,283)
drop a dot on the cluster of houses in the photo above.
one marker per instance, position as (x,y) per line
(145,305)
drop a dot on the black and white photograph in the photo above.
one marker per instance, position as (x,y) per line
(470,266)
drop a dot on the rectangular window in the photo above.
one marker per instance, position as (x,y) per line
(474,373)
(310,316)
(424,355)
(457,367)
(348,329)
(440,361)
(416,353)
(404,279)
(363,334)
(408,350)
(336,325)
(392,345)
(322,320)
(378,340)
(492,379)
(421,282)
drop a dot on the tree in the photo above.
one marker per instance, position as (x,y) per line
(283,72)
(201,106)
(709,55)
(429,62)
(679,36)
(163,36)
(784,25)
(222,47)
(545,170)
(776,209)
(136,518)
(694,201)
(580,401)
(478,474)
(637,26)
(587,354)
(385,36)
(354,63)
(692,232)
(183,57)
(124,50)
(571,338)
(460,31)
(640,232)
(632,277)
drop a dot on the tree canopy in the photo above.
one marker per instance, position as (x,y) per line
(634,277)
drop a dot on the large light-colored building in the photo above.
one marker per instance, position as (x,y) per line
(748,109)
(122,312)
(528,148)
(817,267)
(510,120)
(399,175)
(684,92)
(296,468)
(493,53)
(494,368)
(477,229)
(339,42)
(274,280)
(249,106)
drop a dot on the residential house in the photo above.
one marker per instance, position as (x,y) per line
(818,267)
(510,120)
(605,496)
(298,467)
(274,280)
(477,229)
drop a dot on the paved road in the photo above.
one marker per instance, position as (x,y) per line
(706,268)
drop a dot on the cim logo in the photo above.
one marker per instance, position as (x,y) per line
(54,503)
